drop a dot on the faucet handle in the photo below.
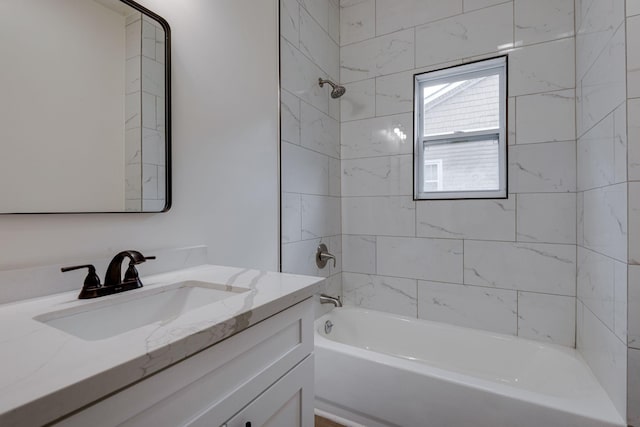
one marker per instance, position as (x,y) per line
(92,280)
(131,275)
(323,256)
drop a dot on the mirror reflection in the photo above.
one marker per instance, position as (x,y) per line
(84,107)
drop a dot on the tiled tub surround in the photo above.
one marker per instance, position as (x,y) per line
(633,129)
(310,138)
(602,218)
(66,372)
(501,265)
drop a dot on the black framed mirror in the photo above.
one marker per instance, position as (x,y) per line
(85,110)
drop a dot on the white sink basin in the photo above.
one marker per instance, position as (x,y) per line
(128,311)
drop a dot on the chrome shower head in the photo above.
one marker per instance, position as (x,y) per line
(336,90)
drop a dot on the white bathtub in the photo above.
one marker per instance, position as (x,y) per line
(380,369)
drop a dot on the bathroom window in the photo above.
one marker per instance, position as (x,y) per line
(460,126)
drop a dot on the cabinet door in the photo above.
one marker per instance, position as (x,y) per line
(287,403)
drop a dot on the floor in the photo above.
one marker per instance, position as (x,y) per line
(323,422)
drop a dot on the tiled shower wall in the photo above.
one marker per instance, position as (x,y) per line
(145,185)
(501,265)
(310,137)
(633,129)
(601,120)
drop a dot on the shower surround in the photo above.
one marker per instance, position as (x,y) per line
(551,262)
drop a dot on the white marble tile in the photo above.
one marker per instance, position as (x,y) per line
(546,117)
(469,306)
(318,131)
(320,216)
(319,10)
(469,5)
(382,216)
(290,117)
(418,258)
(633,304)
(394,93)
(335,182)
(132,75)
(540,168)
(542,67)
(394,15)
(376,137)
(162,183)
(132,39)
(133,182)
(334,245)
(580,218)
(376,57)
(547,218)
(483,31)
(378,176)
(620,297)
(304,171)
(290,21)
(603,86)
(533,267)
(606,356)
(300,258)
(334,20)
(633,7)
(359,102)
(149,181)
(133,146)
(467,219)
(550,318)
(148,40)
(357,22)
(153,147)
(543,20)
(359,254)
(620,146)
(132,111)
(291,218)
(152,74)
(596,156)
(299,76)
(633,142)
(600,19)
(605,221)
(149,111)
(511,121)
(634,222)
(633,57)
(596,276)
(388,294)
(316,44)
(633,398)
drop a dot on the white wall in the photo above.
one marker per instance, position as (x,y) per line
(501,265)
(225,126)
(62,110)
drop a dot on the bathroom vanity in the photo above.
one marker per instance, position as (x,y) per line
(207,345)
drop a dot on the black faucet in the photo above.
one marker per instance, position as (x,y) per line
(113,283)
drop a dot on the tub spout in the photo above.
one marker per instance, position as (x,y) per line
(326,299)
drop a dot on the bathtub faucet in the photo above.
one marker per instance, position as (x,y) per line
(326,299)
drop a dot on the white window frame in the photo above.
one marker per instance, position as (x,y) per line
(438,164)
(467,71)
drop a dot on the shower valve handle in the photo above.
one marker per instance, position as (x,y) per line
(323,256)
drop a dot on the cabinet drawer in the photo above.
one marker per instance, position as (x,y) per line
(287,403)
(241,366)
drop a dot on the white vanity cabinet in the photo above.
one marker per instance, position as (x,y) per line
(262,376)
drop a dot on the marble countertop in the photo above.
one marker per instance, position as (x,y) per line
(46,373)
